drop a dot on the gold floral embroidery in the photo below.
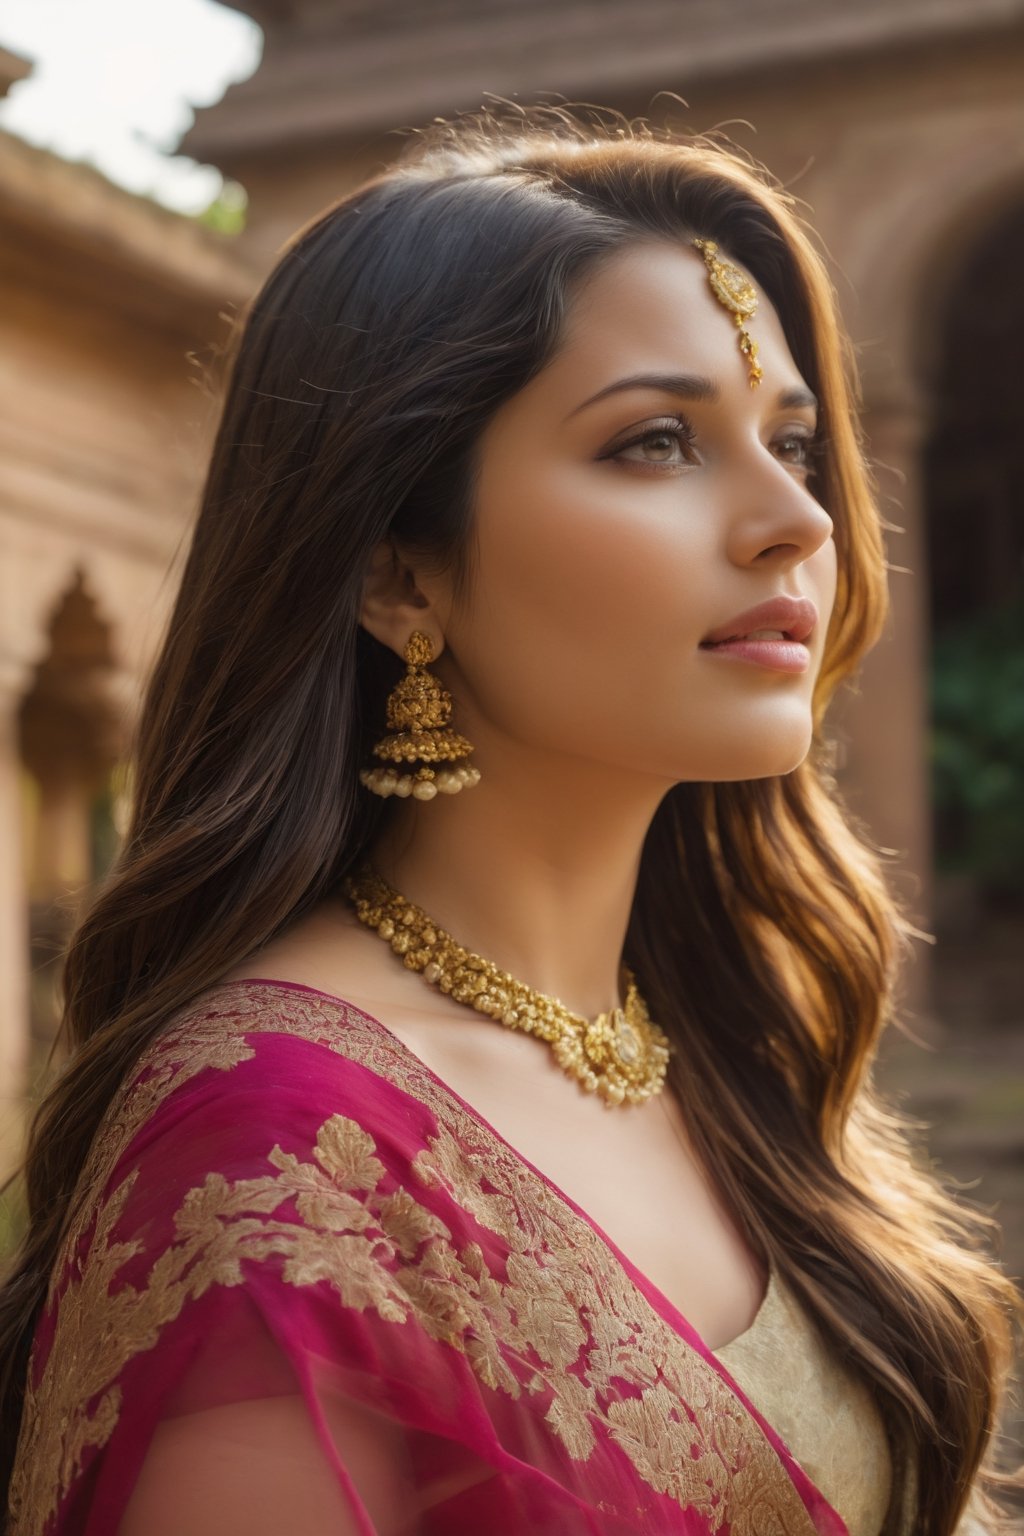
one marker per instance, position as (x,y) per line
(184,1052)
(564,1299)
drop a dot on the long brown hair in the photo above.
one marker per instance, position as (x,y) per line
(763,934)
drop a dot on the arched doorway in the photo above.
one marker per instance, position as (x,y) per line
(974,492)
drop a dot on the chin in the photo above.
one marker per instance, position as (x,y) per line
(780,765)
(763,760)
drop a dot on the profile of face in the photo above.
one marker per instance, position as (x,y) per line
(617,524)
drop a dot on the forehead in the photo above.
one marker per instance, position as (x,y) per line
(651,305)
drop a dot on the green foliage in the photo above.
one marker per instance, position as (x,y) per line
(13,1219)
(226,214)
(977,747)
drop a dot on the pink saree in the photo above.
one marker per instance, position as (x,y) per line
(309,1289)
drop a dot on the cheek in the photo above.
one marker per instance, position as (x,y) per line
(594,542)
(590,593)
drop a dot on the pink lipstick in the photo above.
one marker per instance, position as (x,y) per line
(770,635)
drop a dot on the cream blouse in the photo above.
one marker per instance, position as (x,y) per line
(823,1412)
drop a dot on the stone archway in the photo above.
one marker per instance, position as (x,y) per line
(973,471)
(903,241)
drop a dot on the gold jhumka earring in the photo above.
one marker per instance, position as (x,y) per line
(738,295)
(418,711)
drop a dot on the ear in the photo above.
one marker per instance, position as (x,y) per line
(393,605)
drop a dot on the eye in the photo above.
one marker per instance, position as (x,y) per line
(798,448)
(662,442)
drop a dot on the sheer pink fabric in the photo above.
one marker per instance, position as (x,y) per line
(309,1290)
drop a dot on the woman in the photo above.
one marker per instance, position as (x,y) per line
(570,1207)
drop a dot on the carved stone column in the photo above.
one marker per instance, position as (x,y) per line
(14,979)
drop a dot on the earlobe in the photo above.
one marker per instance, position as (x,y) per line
(393,605)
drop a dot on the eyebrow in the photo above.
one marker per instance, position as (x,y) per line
(691,386)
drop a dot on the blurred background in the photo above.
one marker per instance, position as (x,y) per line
(154,155)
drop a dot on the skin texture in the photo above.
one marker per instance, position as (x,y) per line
(575,669)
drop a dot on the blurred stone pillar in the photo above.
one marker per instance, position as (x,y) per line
(63,856)
(887,781)
(14,980)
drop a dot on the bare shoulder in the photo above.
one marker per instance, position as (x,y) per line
(329,950)
(332,952)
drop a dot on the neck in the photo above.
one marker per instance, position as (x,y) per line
(534,868)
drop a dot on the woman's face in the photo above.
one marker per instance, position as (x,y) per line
(619,523)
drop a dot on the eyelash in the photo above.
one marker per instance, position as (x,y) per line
(681,429)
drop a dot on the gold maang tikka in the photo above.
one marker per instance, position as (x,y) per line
(738,295)
(418,710)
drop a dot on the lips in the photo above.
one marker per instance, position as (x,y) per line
(795,617)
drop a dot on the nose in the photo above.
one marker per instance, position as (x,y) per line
(778,520)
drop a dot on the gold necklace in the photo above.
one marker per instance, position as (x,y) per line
(621,1055)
